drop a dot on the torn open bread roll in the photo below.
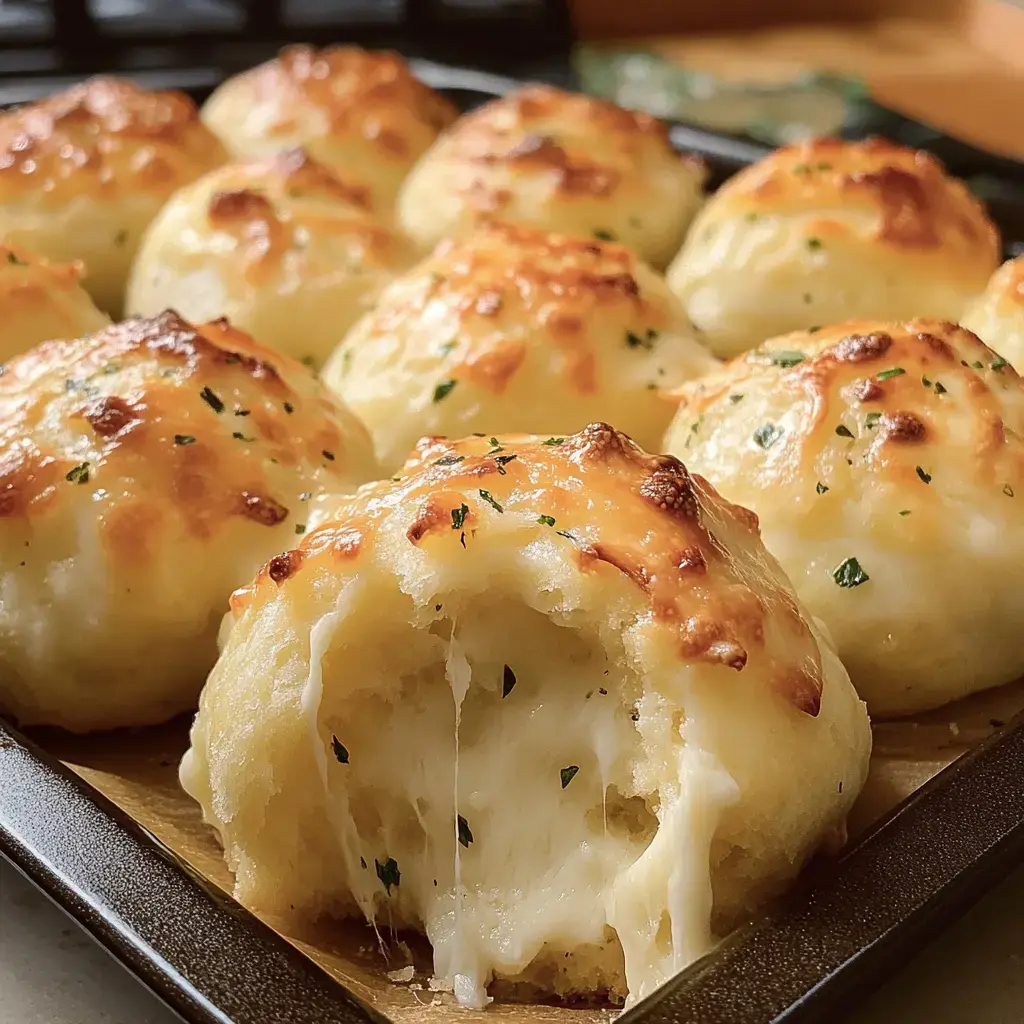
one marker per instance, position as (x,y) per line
(546,700)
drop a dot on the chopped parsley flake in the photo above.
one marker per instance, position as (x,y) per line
(566,534)
(926,477)
(814,244)
(443,390)
(465,834)
(568,774)
(735,398)
(904,511)
(239,436)
(459,516)
(450,460)
(120,238)
(844,431)
(546,520)
(977,365)
(896,371)
(289,408)
(925,381)
(388,873)
(503,461)
(820,487)
(328,455)
(939,389)
(801,169)
(765,436)
(212,399)
(604,235)
(14,260)
(184,439)
(871,420)
(78,475)
(788,358)
(340,750)
(495,446)
(362,863)
(308,361)
(486,495)
(999,364)
(634,340)
(554,440)
(1008,490)
(300,528)
(808,298)
(508,681)
(849,573)
(245,412)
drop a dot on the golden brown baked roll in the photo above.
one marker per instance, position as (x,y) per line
(560,674)
(886,465)
(997,315)
(83,172)
(145,472)
(825,231)
(558,161)
(519,330)
(282,247)
(360,111)
(41,300)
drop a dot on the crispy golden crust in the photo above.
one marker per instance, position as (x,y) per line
(560,161)
(517,327)
(889,397)
(1006,289)
(361,111)
(618,509)
(599,143)
(172,423)
(102,139)
(918,206)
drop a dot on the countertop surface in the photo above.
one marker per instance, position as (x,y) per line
(51,972)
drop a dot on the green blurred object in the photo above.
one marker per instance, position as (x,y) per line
(773,113)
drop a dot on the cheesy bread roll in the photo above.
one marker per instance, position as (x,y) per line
(886,465)
(997,315)
(825,231)
(546,700)
(83,172)
(146,471)
(559,161)
(359,111)
(516,329)
(41,300)
(282,247)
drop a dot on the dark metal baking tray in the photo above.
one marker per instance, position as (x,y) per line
(843,931)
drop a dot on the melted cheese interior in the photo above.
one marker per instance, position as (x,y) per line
(540,863)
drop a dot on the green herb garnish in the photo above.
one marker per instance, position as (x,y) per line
(568,774)
(788,358)
(1008,490)
(604,235)
(820,487)
(300,528)
(999,364)
(340,750)
(939,389)
(546,520)
(459,516)
(926,477)
(465,835)
(735,398)
(239,436)
(289,408)
(78,475)
(508,681)
(896,371)
(849,573)
(184,439)
(871,420)
(329,456)
(503,461)
(844,431)
(388,873)
(554,440)
(486,495)
(210,397)
(904,511)
(443,390)
(814,244)
(450,460)
(765,436)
